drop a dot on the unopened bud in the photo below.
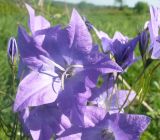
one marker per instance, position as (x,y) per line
(143,43)
(88,24)
(12,51)
(146,25)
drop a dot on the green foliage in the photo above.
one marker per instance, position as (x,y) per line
(141,7)
(83,5)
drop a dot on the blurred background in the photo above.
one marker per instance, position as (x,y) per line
(126,16)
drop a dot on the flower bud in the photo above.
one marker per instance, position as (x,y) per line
(146,25)
(143,42)
(12,51)
(88,24)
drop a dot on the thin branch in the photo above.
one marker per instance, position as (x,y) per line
(137,97)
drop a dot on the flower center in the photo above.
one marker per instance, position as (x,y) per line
(64,73)
(107,134)
(68,73)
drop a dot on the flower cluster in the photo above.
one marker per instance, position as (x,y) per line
(68,87)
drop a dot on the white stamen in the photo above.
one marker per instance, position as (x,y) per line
(45,59)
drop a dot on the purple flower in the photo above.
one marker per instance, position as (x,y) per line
(153,26)
(123,49)
(115,101)
(109,97)
(88,24)
(120,46)
(30,46)
(66,56)
(58,95)
(143,42)
(112,127)
(43,122)
(30,50)
(106,97)
(22,116)
(86,116)
(105,40)
(36,23)
(36,89)
(12,50)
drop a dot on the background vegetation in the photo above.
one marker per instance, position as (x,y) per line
(129,21)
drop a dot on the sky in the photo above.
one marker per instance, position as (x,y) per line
(130,3)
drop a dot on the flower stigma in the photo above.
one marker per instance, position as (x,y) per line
(107,134)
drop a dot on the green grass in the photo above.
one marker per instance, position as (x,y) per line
(107,19)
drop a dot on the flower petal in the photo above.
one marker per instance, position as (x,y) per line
(36,22)
(121,97)
(78,34)
(128,126)
(29,51)
(34,90)
(46,120)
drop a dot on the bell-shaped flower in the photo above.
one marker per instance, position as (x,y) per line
(153,26)
(121,47)
(112,127)
(105,40)
(30,46)
(64,54)
(44,122)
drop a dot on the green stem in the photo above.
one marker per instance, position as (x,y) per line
(14,128)
(137,97)
(13,79)
(131,88)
